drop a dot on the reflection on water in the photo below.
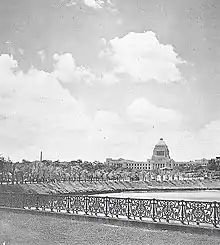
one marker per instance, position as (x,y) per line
(176,195)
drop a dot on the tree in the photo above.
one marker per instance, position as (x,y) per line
(2,164)
(214,165)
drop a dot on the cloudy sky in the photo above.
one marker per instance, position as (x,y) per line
(92,79)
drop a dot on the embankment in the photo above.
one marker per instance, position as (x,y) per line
(75,187)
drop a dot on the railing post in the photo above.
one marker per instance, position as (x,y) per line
(215,214)
(181,211)
(106,206)
(68,204)
(154,210)
(51,203)
(128,208)
(86,204)
(167,206)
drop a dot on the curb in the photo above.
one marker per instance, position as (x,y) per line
(121,222)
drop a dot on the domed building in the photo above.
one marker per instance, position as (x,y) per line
(161,157)
(160,160)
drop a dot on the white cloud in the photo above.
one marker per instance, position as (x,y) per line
(66,70)
(7,64)
(144,58)
(36,111)
(97,4)
(143,111)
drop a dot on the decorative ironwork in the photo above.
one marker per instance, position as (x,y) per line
(78,204)
(216,220)
(97,205)
(141,208)
(186,212)
(199,212)
(167,210)
(61,203)
(117,206)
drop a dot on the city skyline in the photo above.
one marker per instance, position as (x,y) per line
(90,79)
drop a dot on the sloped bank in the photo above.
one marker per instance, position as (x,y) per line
(110,186)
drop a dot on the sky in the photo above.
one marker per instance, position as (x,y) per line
(91,79)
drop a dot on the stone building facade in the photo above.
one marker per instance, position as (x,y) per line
(161,157)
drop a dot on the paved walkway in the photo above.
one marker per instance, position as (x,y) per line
(32,229)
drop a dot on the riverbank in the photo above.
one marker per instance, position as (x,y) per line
(75,187)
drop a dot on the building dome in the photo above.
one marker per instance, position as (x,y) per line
(161,150)
(161,157)
(161,143)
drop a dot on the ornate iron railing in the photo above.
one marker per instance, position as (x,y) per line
(184,212)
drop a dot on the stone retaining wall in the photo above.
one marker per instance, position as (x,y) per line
(75,187)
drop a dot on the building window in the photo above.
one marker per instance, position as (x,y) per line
(160,153)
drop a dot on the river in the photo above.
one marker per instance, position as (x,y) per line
(209,195)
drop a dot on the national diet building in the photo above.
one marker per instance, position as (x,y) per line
(160,160)
(161,157)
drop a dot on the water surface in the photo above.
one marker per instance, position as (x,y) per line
(209,195)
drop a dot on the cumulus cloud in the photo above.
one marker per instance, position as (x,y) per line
(144,58)
(95,4)
(143,111)
(35,108)
(37,113)
(66,70)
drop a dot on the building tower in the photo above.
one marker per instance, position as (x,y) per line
(161,157)
(161,151)
(41,156)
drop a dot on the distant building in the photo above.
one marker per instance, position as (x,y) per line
(128,164)
(199,162)
(160,160)
(161,157)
